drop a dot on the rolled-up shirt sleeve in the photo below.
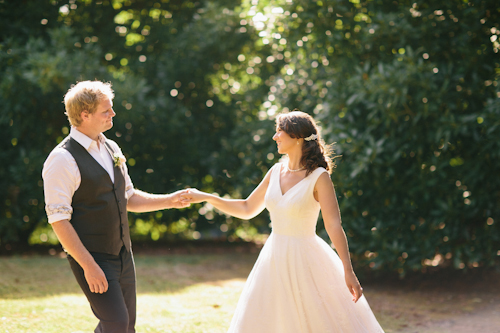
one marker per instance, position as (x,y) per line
(60,181)
(129,187)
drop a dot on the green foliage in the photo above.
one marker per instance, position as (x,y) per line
(170,123)
(410,93)
(408,90)
(36,71)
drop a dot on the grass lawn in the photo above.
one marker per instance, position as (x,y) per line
(198,293)
(181,293)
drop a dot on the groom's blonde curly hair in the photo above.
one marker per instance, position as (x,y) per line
(85,96)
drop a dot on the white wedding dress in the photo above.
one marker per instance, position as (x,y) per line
(297,283)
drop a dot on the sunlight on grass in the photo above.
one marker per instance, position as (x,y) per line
(190,293)
(203,307)
(184,293)
(64,313)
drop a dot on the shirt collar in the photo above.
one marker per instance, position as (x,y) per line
(84,140)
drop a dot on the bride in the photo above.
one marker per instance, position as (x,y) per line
(298,283)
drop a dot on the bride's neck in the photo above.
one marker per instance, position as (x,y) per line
(294,161)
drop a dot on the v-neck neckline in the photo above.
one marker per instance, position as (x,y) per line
(291,188)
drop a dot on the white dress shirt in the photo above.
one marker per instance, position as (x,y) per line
(61,176)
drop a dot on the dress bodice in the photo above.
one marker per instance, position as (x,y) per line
(298,283)
(296,212)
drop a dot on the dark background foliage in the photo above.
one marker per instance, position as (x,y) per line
(408,90)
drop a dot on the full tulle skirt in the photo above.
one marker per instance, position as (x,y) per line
(297,285)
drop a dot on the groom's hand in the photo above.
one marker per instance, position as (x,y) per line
(96,279)
(176,200)
(193,195)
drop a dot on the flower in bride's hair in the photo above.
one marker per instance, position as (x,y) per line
(118,159)
(311,137)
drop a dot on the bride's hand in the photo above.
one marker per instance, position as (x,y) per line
(193,195)
(353,285)
(176,199)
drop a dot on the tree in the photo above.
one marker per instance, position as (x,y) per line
(161,58)
(410,93)
(37,66)
(408,90)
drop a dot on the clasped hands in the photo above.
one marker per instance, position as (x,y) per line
(189,196)
(184,198)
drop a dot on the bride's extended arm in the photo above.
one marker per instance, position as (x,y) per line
(325,193)
(241,208)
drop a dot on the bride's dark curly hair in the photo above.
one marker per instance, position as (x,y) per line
(315,153)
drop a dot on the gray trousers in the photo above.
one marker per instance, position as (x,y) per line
(116,308)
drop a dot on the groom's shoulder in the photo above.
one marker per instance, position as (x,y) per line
(58,157)
(59,149)
(113,144)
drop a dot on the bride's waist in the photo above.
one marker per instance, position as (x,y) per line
(294,233)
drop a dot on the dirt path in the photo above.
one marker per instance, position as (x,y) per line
(440,302)
(484,320)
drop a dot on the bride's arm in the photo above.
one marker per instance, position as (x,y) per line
(325,194)
(244,209)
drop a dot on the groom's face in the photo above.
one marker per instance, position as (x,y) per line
(102,119)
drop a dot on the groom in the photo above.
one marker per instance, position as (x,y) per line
(87,195)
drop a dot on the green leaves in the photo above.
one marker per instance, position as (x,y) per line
(408,90)
(404,98)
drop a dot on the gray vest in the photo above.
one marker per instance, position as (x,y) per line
(99,206)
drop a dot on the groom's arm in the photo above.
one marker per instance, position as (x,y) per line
(61,178)
(141,202)
(73,245)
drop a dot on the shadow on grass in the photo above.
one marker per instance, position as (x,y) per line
(420,302)
(159,270)
(432,302)
(168,268)
(437,279)
(168,274)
